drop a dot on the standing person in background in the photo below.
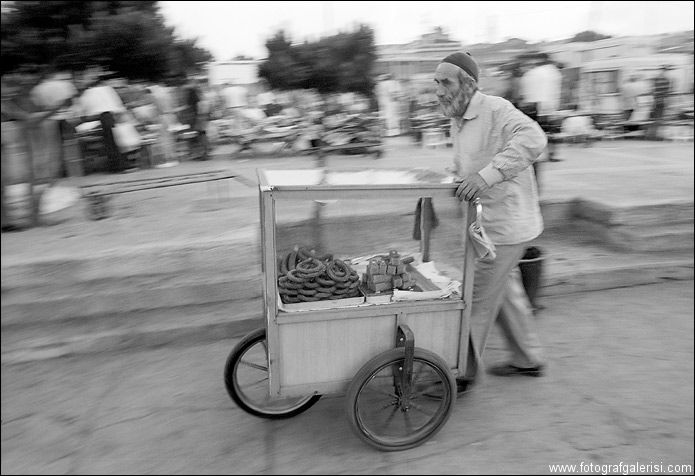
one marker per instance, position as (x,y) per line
(495,145)
(236,100)
(387,94)
(407,106)
(33,139)
(513,91)
(542,85)
(540,91)
(661,90)
(631,90)
(167,120)
(266,100)
(191,116)
(204,110)
(102,103)
(48,94)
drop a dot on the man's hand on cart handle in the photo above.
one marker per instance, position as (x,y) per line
(471,187)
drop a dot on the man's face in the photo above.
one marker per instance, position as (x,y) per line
(453,95)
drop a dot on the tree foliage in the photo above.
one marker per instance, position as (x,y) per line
(129,38)
(338,63)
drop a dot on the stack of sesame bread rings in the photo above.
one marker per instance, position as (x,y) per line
(306,277)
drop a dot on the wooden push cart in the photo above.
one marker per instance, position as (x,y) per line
(395,362)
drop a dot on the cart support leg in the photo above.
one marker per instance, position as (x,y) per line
(318,206)
(405,338)
(426,222)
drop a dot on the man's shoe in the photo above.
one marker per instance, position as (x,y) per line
(508,370)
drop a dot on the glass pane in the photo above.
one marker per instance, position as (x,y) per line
(383,228)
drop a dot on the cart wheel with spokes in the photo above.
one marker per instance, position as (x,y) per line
(246,378)
(391,414)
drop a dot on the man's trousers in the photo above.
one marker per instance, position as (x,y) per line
(499,296)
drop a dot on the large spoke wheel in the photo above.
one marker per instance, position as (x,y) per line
(246,378)
(390,414)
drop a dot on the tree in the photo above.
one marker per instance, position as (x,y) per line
(129,38)
(338,63)
(279,67)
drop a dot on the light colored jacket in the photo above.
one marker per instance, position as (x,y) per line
(501,143)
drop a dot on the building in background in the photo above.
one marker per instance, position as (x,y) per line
(417,60)
(593,72)
(241,72)
(597,70)
(419,57)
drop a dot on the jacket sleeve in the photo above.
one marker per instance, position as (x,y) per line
(524,142)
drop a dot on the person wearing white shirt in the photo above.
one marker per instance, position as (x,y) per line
(103,103)
(99,99)
(387,93)
(631,91)
(168,123)
(541,86)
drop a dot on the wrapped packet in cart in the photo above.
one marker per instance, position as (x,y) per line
(399,295)
(441,287)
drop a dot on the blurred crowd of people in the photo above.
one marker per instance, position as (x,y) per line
(47,117)
(536,86)
(408,107)
(126,114)
(302,119)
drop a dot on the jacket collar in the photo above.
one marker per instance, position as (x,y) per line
(474,106)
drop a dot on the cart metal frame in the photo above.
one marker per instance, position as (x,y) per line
(322,352)
(431,321)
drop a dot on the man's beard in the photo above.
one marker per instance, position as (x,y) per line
(456,107)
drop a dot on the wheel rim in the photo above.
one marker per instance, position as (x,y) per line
(392,418)
(252,385)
